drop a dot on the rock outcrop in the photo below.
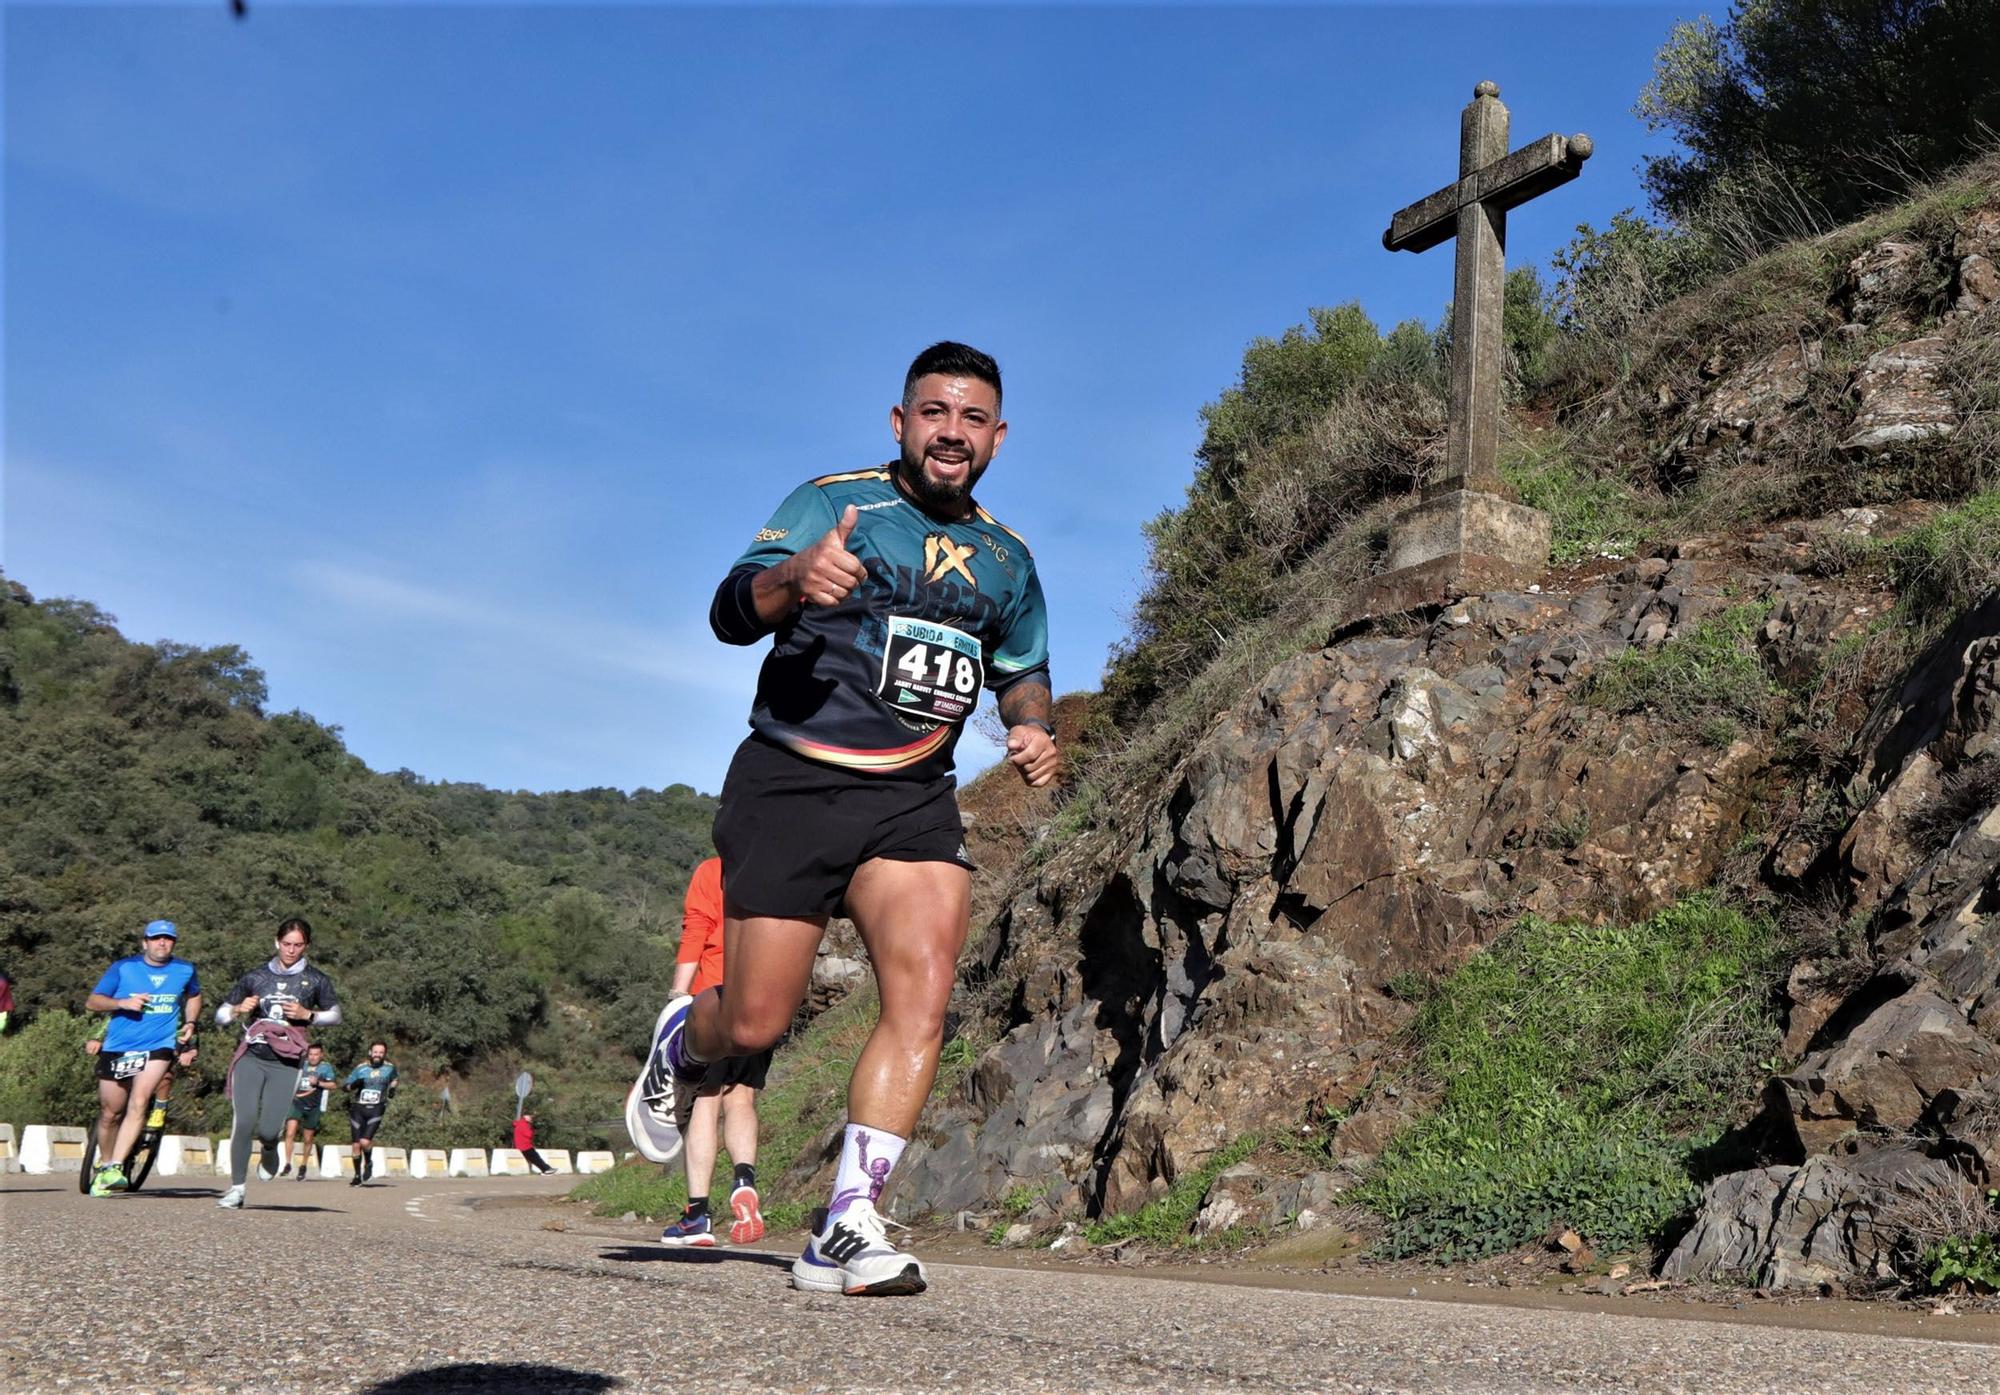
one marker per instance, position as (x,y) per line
(1892,1111)
(1382,805)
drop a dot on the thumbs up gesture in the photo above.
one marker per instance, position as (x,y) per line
(826,573)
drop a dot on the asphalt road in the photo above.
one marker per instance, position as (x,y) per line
(427,1286)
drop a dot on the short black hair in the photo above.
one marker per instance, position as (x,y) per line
(298,923)
(954,360)
(373,1044)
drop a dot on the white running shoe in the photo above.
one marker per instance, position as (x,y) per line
(851,1254)
(650,1116)
(268,1165)
(232,1200)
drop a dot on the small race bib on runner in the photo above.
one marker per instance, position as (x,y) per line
(128,1064)
(930,671)
(370,1097)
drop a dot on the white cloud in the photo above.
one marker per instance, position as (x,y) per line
(687,661)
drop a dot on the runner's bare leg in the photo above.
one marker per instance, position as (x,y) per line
(704,1118)
(770,961)
(739,1123)
(913,918)
(143,1085)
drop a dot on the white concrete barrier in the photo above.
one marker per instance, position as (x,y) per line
(8,1161)
(186,1155)
(508,1162)
(52,1148)
(557,1159)
(588,1163)
(467,1162)
(222,1146)
(336,1160)
(392,1162)
(428,1162)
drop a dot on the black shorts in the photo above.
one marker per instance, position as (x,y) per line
(108,1062)
(736,1070)
(360,1126)
(791,831)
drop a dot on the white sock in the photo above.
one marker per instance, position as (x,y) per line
(867,1156)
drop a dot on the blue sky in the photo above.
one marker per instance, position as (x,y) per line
(444,357)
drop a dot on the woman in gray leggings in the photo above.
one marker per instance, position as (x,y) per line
(277,1001)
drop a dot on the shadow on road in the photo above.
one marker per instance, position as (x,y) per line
(660,1254)
(495,1378)
(173,1193)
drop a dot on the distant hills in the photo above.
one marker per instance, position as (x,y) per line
(478,931)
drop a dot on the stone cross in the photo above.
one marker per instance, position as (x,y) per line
(1474,210)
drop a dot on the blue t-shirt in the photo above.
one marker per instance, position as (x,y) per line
(155,1026)
(374,1082)
(881,684)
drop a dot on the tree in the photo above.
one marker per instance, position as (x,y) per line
(1798,112)
(1287,384)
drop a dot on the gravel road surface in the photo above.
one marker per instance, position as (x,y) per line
(489,1286)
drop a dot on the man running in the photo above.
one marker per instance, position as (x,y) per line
(308,1107)
(371,1083)
(278,1002)
(892,594)
(146,994)
(723,1106)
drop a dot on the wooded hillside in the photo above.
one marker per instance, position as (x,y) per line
(478,931)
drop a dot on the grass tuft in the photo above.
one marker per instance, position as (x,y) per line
(1168,1219)
(1942,568)
(1705,683)
(1579,1066)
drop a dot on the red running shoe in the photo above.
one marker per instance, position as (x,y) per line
(748,1227)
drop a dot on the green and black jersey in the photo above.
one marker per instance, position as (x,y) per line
(882,683)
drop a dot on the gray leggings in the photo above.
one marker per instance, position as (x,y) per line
(262,1093)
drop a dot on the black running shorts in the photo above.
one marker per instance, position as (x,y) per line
(791,831)
(736,1070)
(126,1065)
(360,1126)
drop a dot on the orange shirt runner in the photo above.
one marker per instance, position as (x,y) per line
(701,926)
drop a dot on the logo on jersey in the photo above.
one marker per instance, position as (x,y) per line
(158,979)
(942,557)
(771,534)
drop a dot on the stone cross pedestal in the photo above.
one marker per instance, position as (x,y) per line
(1466,534)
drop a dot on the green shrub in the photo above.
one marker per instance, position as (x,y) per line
(1578,1066)
(1972,1261)
(1697,682)
(1167,1219)
(45,1074)
(1606,279)
(1589,513)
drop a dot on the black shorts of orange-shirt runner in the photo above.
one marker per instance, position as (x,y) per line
(792,831)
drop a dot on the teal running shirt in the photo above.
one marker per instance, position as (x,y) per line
(882,683)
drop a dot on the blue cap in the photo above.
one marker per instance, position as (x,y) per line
(160,927)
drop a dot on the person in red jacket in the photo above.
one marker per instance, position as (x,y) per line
(524,1144)
(724,1103)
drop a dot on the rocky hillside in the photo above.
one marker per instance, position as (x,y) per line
(1769,676)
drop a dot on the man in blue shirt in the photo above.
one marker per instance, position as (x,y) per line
(153,999)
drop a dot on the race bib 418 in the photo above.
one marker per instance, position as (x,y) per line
(930,671)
